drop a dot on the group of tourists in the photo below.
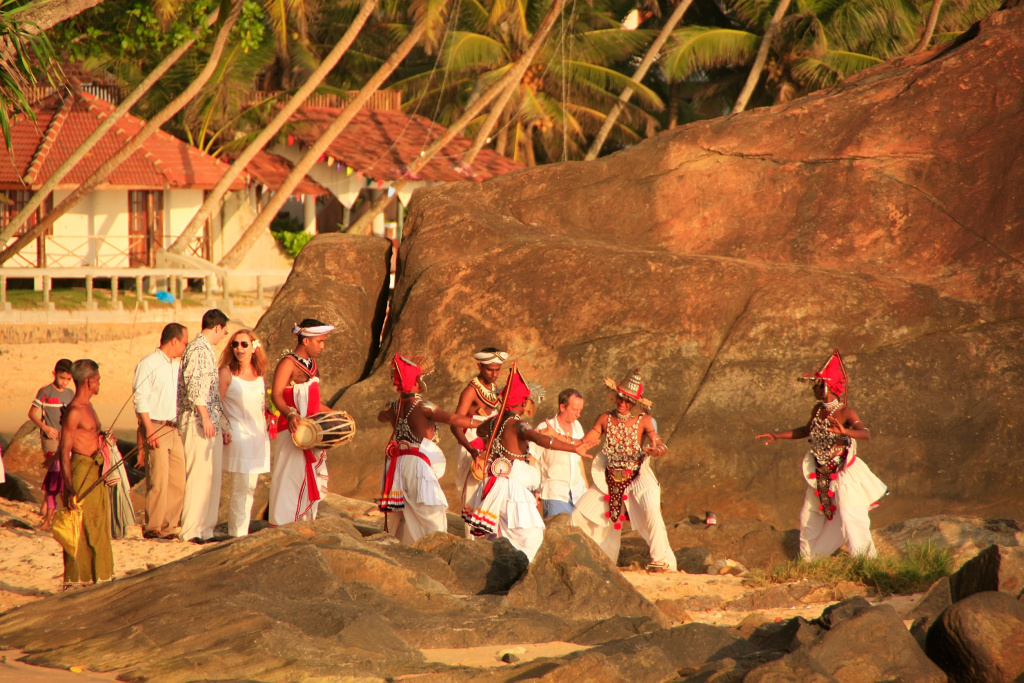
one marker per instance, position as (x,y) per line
(199,417)
(511,476)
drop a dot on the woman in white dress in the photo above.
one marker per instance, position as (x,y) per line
(243,396)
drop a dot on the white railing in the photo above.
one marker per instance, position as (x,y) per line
(174,278)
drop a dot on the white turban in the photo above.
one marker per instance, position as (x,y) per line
(488,357)
(312,331)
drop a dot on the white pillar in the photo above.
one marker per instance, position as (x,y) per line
(309,213)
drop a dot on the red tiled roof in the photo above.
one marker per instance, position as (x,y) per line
(62,125)
(271,170)
(381,144)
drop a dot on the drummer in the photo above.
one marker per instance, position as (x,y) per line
(299,477)
(411,497)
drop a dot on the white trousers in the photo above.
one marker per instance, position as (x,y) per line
(202,480)
(465,482)
(820,537)
(243,489)
(644,508)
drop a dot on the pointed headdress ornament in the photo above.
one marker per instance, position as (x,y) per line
(832,374)
(406,374)
(630,388)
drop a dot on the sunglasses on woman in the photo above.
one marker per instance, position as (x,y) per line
(236,344)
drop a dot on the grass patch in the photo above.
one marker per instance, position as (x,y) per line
(923,565)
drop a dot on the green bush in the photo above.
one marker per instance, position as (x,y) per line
(922,566)
(291,242)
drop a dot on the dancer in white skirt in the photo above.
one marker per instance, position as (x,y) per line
(624,484)
(841,489)
(299,478)
(411,497)
(243,396)
(505,505)
(479,398)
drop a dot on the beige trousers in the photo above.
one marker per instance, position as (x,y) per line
(201,501)
(165,480)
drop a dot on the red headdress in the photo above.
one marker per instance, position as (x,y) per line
(630,388)
(405,375)
(832,374)
(517,388)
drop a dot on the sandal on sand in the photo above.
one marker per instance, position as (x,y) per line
(657,567)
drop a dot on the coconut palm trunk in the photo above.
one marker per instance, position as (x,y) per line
(42,16)
(300,168)
(133,145)
(213,200)
(929,29)
(123,108)
(638,75)
(509,80)
(519,70)
(762,56)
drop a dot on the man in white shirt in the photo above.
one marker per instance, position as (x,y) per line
(162,453)
(562,480)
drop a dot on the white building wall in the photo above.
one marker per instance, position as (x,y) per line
(265,256)
(179,208)
(92,233)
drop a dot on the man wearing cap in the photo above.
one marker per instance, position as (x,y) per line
(299,477)
(504,506)
(624,484)
(480,398)
(411,497)
(841,488)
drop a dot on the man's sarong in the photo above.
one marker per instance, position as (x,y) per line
(857,490)
(506,507)
(411,491)
(94,561)
(642,501)
(299,478)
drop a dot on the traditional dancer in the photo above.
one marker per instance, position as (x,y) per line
(299,477)
(85,459)
(841,488)
(623,479)
(411,495)
(505,505)
(243,395)
(45,413)
(480,397)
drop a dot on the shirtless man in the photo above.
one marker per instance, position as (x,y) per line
(85,459)
(480,397)
(299,477)
(411,495)
(511,479)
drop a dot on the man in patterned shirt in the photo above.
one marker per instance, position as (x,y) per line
(200,424)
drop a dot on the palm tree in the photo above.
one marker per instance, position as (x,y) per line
(818,44)
(560,100)
(21,43)
(429,17)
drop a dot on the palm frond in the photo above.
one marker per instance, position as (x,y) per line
(472,51)
(609,80)
(706,47)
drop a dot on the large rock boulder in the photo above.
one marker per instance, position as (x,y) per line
(342,280)
(300,601)
(751,542)
(572,578)
(996,568)
(23,456)
(727,257)
(980,638)
(481,567)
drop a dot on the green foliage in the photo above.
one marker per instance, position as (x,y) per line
(922,566)
(22,51)
(289,233)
